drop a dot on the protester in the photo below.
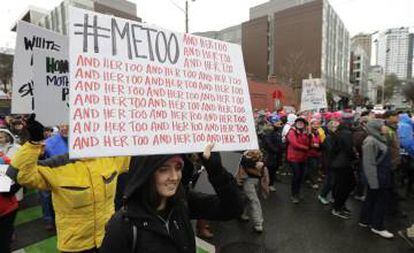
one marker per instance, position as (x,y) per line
(82,190)
(393,142)
(8,145)
(290,121)
(8,210)
(377,169)
(54,146)
(260,123)
(252,171)
(157,211)
(16,127)
(406,136)
(298,144)
(314,154)
(273,149)
(343,158)
(327,158)
(359,134)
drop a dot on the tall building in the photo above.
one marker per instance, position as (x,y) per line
(392,51)
(364,41)
(31,15)
(255,46)
(231,34)
(411,57)
(274,6)
(56,19)
(6,70)
(359,70)
(303,38)
(376,78)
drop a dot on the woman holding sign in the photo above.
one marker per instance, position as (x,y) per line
(83,191)
(156,213)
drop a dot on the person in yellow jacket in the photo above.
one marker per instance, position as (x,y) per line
(83,190)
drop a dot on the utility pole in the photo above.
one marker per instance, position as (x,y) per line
(186,16)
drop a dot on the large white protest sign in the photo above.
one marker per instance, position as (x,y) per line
(29,38)
(5,181)
(51,92)
(313,95)
(137,89)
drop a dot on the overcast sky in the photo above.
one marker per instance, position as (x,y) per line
(358,15)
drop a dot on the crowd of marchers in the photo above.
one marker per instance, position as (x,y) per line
(146,203)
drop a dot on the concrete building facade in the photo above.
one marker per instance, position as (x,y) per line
(411,57)
(232,34)
(255,45)
(304,38)
(359,71)
(274,6)
(364,41)
(392,51)
(56,19)
(376,78)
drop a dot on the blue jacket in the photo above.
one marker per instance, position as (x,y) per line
(405,133)
(56,145)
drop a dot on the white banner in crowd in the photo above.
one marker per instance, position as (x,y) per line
(5,181)
(30,38)
(51,92)
(313,95)
(137,89)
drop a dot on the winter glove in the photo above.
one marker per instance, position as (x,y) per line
(211,161)
(35,129)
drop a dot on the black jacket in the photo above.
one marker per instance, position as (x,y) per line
(272,143)
(342,155)
(173,232)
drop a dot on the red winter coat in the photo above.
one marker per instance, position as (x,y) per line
(298,146)
(7,203)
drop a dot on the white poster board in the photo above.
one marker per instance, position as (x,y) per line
(29,38)
(204,247)
(51,93)
(138,89)
(5,181)
(313,95)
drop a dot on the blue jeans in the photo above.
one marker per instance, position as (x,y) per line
(47,207)
(298,170)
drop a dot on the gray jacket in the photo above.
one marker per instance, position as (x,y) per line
(374,150)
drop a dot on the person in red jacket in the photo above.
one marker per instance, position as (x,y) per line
(8,211)
(298,140)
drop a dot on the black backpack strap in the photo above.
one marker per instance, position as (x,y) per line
(134,229)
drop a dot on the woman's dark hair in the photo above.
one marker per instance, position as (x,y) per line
(149,196)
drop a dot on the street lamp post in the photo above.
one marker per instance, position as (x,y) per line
(186,16)
(185,10)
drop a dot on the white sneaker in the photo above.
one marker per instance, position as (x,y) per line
(383,233)
(363,225)
(359,198)
(244,217)
(258,228)
(272,188)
